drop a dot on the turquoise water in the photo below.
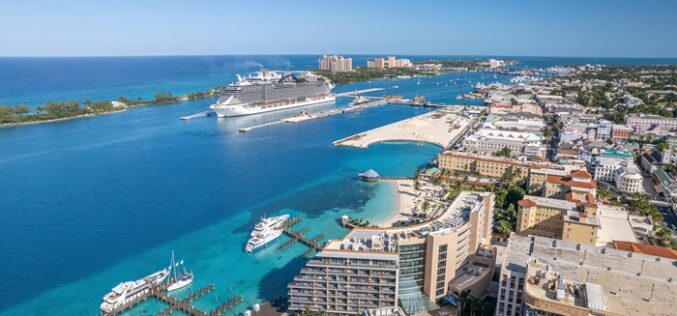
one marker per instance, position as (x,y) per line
(88,203)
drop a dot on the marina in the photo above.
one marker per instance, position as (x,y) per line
(184,305)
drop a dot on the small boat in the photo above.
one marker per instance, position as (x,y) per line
(179,277)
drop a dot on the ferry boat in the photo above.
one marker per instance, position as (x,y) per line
(179,277)
(126,292)
(267,91)
(265,231)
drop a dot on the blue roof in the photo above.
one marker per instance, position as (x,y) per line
(369,174)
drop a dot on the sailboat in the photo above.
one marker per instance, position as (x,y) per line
(178,277)
(419,81)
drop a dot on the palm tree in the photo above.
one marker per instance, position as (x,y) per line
(463,300)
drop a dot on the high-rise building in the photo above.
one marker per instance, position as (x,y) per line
(389,62)
(335,63)
(416,265)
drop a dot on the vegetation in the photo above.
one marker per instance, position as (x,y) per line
(53,111)
(641,204)
(472,306)
(507,192)
(359,222)
(505,152)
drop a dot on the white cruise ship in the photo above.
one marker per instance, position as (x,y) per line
(125,292)
(265,231)
(268,91)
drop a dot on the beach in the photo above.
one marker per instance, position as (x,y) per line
(438,127)
(403,202)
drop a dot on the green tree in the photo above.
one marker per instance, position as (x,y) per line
(505,152)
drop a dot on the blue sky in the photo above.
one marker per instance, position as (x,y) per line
(603,28)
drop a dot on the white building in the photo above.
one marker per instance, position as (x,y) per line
(490,141)
(622,172)
(629,179)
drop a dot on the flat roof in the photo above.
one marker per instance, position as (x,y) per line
(626,279)
(614,225)
(548,202)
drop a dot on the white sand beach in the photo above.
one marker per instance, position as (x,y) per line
(404,203)
(438,127)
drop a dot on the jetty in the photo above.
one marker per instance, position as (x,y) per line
(173,304)
(313,244)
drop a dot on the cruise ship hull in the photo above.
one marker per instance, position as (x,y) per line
(242,110)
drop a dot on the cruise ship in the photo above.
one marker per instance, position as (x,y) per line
(267,91)
(126,292)
(265,231)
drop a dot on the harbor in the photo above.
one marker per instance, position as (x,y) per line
(184,305)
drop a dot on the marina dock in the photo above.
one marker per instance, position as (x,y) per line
(174,304)
(313,244)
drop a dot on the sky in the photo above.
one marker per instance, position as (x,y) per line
(592,28)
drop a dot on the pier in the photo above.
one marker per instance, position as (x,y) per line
(184,305)
(313,244)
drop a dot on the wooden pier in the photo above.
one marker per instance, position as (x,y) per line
(173,303)
(298,236)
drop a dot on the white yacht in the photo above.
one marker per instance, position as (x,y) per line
(126,292)
(266,231)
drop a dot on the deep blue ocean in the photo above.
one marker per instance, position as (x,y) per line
(91,202)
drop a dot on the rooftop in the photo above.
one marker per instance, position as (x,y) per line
(625,279)
(615,225)
(385,240)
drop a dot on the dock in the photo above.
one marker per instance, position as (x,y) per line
(184,305)
(313,244)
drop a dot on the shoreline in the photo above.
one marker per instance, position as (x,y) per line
(403,201)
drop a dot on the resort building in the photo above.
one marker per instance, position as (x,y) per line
(558,219)
(645,122)
(488,166)
(416,265)
(544,276)
(336,63)
(390,62)
(493,140)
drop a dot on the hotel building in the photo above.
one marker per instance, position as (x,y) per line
(544,276)
(560,219)
(416,265)
(335,63)
(390,62)
(495,167)
(567,210)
